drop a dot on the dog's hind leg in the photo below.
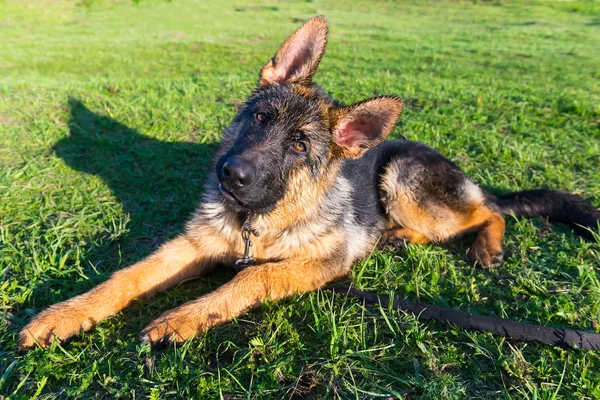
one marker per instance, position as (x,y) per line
(487,248)
(173,262)
(427,198)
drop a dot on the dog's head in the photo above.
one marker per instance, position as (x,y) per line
(288,127)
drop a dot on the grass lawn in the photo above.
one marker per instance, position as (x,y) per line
(110,112)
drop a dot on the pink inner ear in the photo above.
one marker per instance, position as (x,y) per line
(296,61)
(361,128)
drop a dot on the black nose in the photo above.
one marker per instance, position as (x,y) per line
(237,172)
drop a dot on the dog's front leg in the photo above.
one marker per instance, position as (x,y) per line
(178,259)
(246,290)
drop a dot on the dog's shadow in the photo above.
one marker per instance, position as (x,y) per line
(157,183)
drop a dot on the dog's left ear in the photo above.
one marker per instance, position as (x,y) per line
(357,128)
(298,57)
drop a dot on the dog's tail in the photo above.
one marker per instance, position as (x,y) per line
(555,205)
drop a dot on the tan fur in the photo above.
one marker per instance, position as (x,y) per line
(249,288)
(292,229)
(414,224)
(488,246)
(436,223)
(411,221)
(177,260)
(300,201)
(404,234)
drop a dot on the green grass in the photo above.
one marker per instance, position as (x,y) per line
(110,112)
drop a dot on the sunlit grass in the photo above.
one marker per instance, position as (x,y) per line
(110,112)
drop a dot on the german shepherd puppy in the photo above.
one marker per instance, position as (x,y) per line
(318,184)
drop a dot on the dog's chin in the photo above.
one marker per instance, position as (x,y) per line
(235,204)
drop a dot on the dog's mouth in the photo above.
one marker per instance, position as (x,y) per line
(237,204)
(227,193)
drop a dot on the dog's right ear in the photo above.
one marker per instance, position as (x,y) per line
(298,57)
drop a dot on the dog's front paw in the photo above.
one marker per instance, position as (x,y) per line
(172,327)
(56,323)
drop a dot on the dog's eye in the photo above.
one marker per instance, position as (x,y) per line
(300,147)
(260,117)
